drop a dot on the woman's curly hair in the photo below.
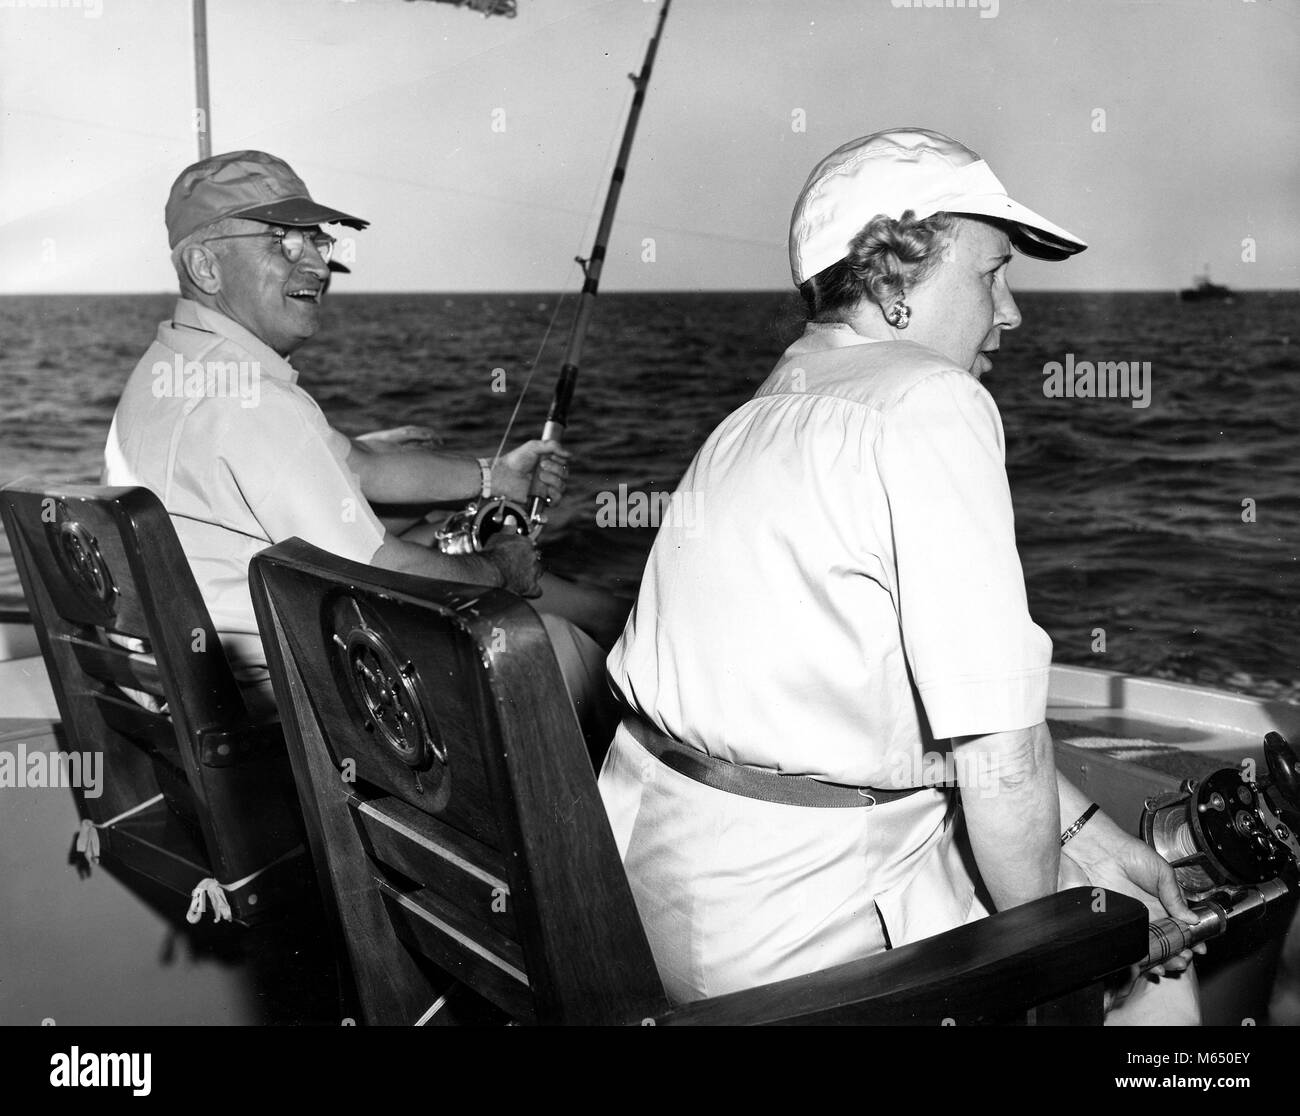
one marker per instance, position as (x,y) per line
(884,257)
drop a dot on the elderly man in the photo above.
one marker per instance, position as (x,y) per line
(213,421)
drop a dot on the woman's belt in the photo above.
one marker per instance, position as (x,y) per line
(754,782)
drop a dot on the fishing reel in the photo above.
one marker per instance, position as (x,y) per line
(469,530)
(1232,843)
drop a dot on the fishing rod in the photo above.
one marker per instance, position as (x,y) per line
(468,530)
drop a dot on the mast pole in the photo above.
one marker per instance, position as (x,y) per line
(202,107)
(558,416)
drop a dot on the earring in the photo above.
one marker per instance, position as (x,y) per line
(899,314)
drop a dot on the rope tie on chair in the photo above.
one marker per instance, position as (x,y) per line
(88,831)
(210,890)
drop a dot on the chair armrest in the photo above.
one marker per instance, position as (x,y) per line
(987,971)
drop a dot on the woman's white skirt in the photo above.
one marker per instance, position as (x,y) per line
(735,892)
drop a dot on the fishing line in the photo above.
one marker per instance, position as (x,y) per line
(611,155)
(529,378)
(467,531)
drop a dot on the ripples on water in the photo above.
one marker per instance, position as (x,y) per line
(1129,520)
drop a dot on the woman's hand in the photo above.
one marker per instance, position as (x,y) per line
(512,476)
(1108,857)
(1071,875)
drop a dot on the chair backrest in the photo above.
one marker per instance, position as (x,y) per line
(140,675)
(450,801)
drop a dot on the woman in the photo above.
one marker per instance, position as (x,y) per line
(846,605)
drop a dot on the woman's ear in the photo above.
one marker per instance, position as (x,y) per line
(897,312)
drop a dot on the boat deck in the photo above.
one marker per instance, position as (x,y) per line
(1122,739)
(107,949)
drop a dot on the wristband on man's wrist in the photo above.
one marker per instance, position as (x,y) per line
(1078,825)
(485,473)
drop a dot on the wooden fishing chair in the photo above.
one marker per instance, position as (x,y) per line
(458,833)
(193,790)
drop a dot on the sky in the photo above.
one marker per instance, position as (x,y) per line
(1164,132)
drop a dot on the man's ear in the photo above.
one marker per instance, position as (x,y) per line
(202,267)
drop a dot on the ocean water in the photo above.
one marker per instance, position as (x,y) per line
(1174,528)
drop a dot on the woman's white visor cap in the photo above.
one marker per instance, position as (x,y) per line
(911,168)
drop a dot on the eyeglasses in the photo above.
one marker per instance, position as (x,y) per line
(292,242)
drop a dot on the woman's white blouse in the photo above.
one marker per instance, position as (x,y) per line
(836,584)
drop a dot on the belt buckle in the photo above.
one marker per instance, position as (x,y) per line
(871,798)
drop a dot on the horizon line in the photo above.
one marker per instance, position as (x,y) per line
(630,291)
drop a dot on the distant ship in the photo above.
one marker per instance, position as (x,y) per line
(1206,290)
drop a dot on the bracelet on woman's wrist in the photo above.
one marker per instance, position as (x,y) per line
(1083,820)
(485,473)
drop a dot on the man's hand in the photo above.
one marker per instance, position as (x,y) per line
(518,561)
(400,438)
(512,476)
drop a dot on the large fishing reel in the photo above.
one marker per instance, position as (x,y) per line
(469,530)
(1232,842)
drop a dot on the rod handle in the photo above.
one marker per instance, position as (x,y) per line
(552,432)
(1167,937)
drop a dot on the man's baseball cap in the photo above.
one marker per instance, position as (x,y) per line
(248,184)
(908,168)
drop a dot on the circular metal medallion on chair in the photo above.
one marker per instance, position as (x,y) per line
(389,702)
(77,550)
